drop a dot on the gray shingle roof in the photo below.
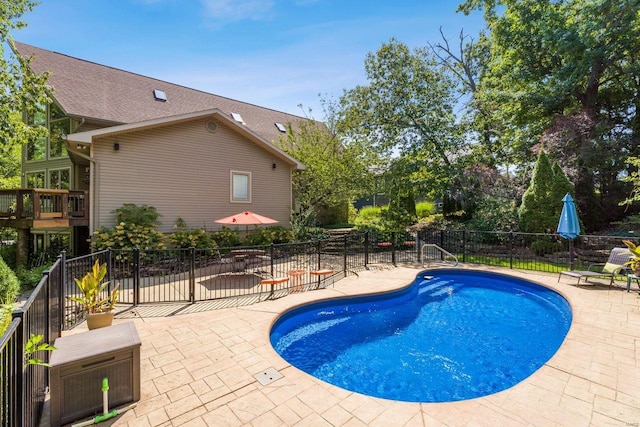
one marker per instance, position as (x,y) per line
(98,92)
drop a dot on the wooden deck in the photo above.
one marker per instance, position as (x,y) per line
(40,208)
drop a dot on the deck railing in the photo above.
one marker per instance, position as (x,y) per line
(42,204)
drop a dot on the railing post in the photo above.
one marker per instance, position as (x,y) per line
(366,249)
(511,249)
(394,241)
(192,274)
(136,276)
(464,245)
(21,373)
(344,263)
(62,291)
(318,248)
(109,269)
(65,205)
(19,205)
(271,253)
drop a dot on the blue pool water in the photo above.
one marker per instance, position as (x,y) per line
(451,335)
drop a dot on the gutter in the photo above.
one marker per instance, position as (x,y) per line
(93,181)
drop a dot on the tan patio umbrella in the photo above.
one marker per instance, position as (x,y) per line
(246,218)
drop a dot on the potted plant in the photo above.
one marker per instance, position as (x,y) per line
(99,308)
(634,261)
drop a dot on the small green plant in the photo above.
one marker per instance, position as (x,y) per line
(634,262)
(34,345)
(92,288)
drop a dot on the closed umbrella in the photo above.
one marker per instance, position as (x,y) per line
(246,218)
(569,225)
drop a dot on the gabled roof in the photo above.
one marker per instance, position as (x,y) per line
(89,136)
(92,91)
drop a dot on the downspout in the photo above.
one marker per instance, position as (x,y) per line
(93,182)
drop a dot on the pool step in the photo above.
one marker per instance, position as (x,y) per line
(438,288)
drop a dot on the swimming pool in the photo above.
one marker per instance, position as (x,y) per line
(451,335)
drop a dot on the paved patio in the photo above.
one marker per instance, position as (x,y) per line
(198,369)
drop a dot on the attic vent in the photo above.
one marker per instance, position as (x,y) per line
(238,118)
(281,127)
(159,95)
(212,126)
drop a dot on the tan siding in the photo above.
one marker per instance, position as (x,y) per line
(184,171)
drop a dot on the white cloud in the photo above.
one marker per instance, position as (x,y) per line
(238,10)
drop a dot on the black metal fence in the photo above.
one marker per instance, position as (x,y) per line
(23,386)
(192,275)
(526,251)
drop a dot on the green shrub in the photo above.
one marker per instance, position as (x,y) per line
(5,317)
(144,216)
(226,237)
(8,254)
(267,235)
(369,215)
(424,209)
(9,287)
(127,236)
(30,277)
(191,238)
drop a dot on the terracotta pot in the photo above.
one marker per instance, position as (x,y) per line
(99,320)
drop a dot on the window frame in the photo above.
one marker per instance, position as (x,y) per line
(59,171)
(232,195)
(40,171)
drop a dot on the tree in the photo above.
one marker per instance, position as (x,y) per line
(336,172)
(406,110)
(20,89)
(567,71)
(542,201)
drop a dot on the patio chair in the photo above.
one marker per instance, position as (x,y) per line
(615,265)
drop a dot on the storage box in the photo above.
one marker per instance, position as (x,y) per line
(81,361)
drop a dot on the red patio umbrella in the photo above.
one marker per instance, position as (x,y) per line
(246,218)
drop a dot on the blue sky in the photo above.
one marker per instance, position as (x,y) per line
(274,53)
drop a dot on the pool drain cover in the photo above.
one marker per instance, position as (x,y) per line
(268,376)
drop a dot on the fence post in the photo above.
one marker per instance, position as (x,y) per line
(418,248)
(394,241)
(21,373)
(366,249)
(344,264)
(271,253)
(61,292)
(319,256)
(136,276)
(464,245)
(192,274)
(109,268)
(511,249)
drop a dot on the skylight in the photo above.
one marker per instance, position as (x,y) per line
(281,127)
(237,117)
(159,95)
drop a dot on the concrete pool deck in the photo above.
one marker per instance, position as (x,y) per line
(198,369)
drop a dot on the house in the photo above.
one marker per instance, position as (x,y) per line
(118,137)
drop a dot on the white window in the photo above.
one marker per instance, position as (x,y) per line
(240,186)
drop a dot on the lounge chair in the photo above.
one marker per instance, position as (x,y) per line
(615,265)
